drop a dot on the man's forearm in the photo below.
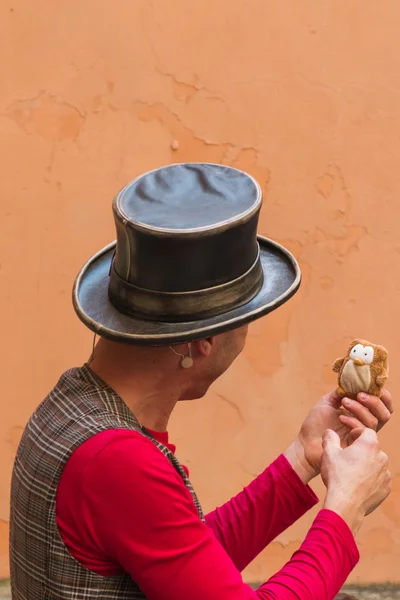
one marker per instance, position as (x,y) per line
(267,506)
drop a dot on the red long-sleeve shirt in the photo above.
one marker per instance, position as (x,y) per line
(121,506)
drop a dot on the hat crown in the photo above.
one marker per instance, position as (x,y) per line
(185,234)
(188,198)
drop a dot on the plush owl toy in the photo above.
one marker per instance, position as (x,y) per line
(363,369)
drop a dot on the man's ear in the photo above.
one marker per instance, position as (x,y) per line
(205,347)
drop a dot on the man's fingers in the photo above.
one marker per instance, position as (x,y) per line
(387,400)
(335,400)
(376,407)
(362,412)
(357,429)
(351,422)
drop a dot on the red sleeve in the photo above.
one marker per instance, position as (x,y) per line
(270,504)
(125,502)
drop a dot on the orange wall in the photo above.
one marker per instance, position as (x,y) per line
(305,96)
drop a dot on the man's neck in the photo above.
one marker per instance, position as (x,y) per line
(143,379)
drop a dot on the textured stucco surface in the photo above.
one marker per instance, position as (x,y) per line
(303,95)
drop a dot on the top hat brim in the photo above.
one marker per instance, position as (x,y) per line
(282,278)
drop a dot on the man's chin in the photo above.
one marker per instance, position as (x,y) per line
(193,394)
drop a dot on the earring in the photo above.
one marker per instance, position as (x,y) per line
(187,361)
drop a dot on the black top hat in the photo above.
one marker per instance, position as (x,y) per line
(187,262)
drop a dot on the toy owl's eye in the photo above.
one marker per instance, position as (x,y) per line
(369,355)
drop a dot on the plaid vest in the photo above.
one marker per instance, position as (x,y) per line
(78,407)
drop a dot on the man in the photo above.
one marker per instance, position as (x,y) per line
(100,506)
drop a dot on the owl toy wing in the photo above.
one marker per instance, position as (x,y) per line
(338,364)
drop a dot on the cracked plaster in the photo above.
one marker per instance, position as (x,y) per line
(302,95)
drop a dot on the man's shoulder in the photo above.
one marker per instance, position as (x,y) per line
(73,410)
(108,454)
(74,391)
(70,384)
(121,445)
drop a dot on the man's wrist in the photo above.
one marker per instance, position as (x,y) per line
(343,506)
(296,457)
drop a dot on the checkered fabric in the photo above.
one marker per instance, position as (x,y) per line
(78,407)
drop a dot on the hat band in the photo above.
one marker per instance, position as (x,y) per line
(185,306)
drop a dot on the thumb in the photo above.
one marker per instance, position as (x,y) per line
(331,441)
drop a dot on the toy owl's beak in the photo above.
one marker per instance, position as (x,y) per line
(359,362)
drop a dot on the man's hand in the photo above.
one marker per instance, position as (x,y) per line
(356,478)
(365,412)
